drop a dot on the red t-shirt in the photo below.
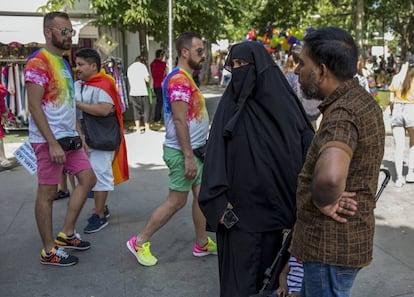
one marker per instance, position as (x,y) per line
(158,72)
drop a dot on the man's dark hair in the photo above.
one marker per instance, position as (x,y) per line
(141,59)
(159,53)
(90,55)
(49,17)
(335,48)
(184,40)
(295,53)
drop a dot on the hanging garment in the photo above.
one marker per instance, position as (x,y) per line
(11,88)
(18,91)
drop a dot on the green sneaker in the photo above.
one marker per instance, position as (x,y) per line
(209,249)
(142,253)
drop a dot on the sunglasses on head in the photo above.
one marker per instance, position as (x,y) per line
(65,31)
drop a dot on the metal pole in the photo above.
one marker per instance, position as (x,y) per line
(359,26)
(383,32)
(170,34)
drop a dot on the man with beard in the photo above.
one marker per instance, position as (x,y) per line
(256,149)
(55,140)
(186,124)
(334,230)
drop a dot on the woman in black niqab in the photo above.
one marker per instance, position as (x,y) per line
(255,151)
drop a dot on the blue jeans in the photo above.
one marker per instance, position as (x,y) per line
(323,280)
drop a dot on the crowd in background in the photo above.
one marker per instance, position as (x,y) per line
(377,70)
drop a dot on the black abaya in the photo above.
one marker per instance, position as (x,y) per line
(256,149)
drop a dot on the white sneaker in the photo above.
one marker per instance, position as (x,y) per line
(399,182)
(410,177)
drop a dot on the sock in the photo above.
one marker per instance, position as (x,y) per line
(203,247)
(49,253)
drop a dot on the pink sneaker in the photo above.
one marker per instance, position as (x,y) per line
(209,249)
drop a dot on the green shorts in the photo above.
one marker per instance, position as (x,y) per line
(175,161)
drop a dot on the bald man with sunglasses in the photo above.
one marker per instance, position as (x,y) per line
(55,140)
(186,123)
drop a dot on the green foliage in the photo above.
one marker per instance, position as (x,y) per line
(55,5)
(333,13)
(204,16)
(282,14)
(232,19)
(397,16)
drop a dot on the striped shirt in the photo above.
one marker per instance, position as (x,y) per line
(295,275)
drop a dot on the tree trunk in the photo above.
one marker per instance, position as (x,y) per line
(206,71)
(142,32)
(410,32)
(406,29)
(359,25)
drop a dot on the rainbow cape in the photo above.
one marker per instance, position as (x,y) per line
(120,163)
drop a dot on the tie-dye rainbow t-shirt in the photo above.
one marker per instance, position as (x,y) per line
(53,73)
(180,86)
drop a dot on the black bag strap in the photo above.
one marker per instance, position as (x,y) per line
(81,91)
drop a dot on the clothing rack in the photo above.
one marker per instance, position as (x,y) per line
(13,60)
(113,66)
(112,59)
(11,76)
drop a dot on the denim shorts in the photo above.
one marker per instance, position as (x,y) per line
(323,280)
(175,161)
(403,115)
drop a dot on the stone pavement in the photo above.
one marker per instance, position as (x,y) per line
(109,270)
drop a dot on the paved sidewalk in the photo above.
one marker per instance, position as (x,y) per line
(109,270)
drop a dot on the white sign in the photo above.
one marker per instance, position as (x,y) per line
(26,156)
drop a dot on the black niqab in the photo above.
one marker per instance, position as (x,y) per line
(257,146)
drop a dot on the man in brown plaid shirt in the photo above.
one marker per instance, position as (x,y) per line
(334,231)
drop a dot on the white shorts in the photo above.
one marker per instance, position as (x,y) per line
(403,115)
(101,162)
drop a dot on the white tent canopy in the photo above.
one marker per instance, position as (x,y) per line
(27,29)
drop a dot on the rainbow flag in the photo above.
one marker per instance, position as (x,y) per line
(120,167)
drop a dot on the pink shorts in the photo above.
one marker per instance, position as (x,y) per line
(1,132)
(50,173)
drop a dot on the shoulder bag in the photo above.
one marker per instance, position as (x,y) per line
(101,132)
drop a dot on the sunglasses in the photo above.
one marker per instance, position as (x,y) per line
(65,31)
(200,51)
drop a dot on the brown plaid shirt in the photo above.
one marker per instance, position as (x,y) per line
(353,121)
